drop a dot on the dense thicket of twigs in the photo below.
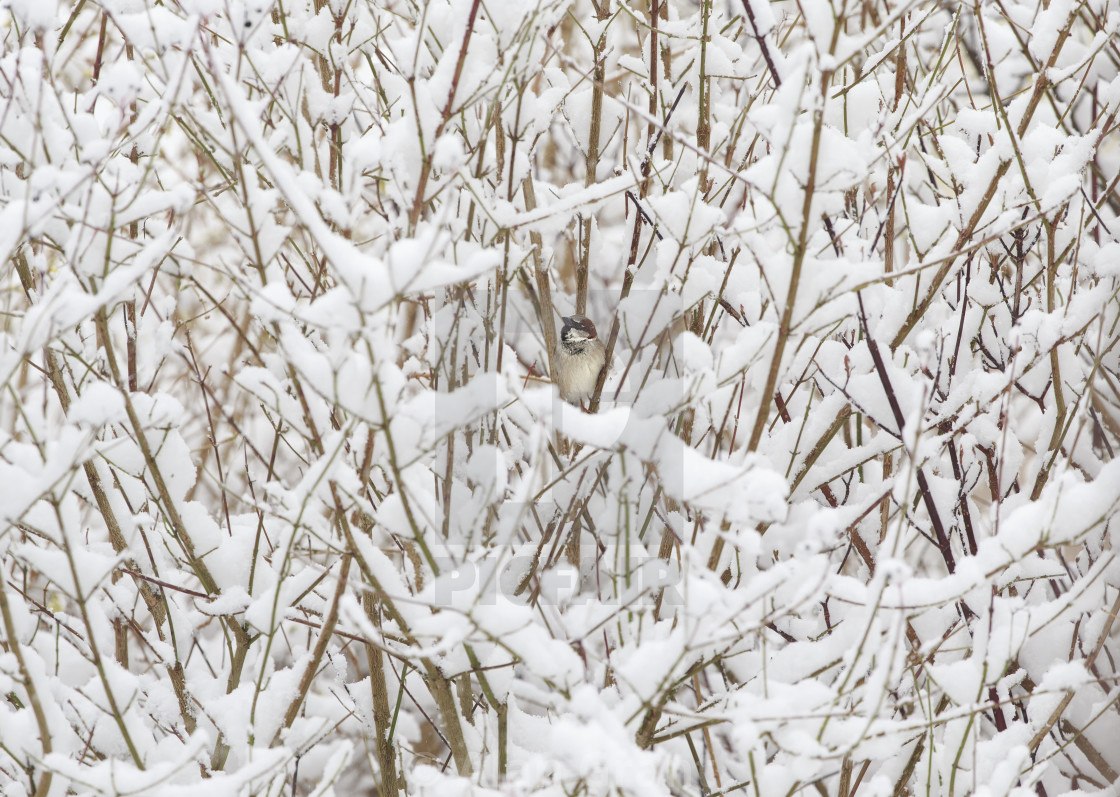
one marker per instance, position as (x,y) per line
(289,504)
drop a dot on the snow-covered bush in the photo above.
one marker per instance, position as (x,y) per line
(290,506)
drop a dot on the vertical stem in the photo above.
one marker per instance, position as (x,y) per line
(885,503)
(426,167)
(761,39)
(325,634)
(784,326)
(544,287)
(888,233)
(704,112)
(382,717)
(16,649)
(1055,366)
(591,162)
(440,688)
(95,658)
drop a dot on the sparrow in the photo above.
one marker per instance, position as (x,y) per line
(580,356)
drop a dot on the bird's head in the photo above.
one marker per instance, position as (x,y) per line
(576,328)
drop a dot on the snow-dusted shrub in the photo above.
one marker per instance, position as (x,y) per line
(289,505)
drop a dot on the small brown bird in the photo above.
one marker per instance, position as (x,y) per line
(580,356)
